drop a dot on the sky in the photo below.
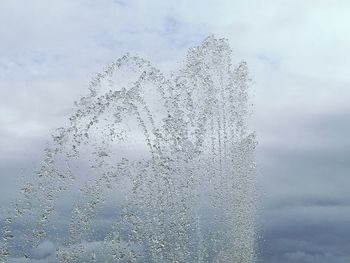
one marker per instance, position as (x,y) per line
(298,56)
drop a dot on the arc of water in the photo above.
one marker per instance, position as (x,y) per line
(194,128)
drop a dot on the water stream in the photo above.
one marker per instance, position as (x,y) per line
(150,168)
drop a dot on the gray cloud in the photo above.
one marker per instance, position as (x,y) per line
(306,200)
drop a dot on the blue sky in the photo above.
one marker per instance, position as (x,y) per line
(297,53)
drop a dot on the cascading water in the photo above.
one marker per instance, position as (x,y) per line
(164,168)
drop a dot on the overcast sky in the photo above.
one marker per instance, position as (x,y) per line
(298,55)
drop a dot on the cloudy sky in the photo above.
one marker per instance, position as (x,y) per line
(297,53)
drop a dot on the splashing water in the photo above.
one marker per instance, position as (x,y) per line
(152,169)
